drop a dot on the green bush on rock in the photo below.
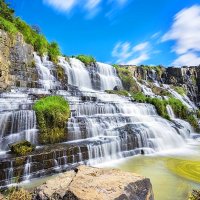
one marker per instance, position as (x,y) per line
(52,114)
(87,60)
(22,148)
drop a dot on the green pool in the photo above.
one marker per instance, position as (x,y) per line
(173,174)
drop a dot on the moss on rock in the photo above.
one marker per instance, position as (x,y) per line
(52,114)
(22,148)
(87,60)
(127,80)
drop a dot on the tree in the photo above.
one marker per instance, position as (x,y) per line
(6,11)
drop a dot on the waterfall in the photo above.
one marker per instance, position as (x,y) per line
(44,66)
(184,99)
(102,126)
(170,112)
(108,76)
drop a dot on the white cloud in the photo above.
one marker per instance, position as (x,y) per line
(188,59)
(185,31)
(92,7)
(141,47)
(138,60)
(61,5)
(125,53)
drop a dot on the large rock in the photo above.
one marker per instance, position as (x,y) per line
(89,183)
(17,66)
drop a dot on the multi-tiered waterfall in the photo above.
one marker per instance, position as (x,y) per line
(102,126)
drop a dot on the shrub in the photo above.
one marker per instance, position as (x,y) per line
(7,26)
(21,194)
(160,106)
(118,92)
(31,35)
(52,114)
(178,107)
(5,11)
(139,97)
(22,148)
(53,51)
(87,60)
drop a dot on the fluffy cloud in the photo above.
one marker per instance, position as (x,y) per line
(188,59)
(125,53)
(185,31)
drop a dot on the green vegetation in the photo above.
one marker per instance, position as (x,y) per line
(12,25)
(195,195)
(87,60)
(22,148)
(178,107)
(139,97)
(126,77)
(52,114)
(118,92)
(158,69)
(60,73)
(180,90)
(160,106)
(53,51)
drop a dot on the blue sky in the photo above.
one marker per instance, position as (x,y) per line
(120,31)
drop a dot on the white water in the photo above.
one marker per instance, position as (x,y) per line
(108,76)
(108,125)
(47,80)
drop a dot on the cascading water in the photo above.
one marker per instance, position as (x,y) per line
(44,66)
(108,76)
(104,126)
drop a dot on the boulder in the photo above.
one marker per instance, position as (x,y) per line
(89,183)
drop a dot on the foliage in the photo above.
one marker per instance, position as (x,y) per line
(126,77)
(21,194)
(53,51)
(195,195)
(5,11)
(118,92)
(22,148)
(193,121)
(87,60)
(179,90)
(115,65)
(139,97)
(52,114)
(7,26)
(31,35)
(160,106)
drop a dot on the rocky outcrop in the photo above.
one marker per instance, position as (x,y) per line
(186,77)
(16,62)
(89,183)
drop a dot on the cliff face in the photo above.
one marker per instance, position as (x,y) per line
(186,77)
(16,62)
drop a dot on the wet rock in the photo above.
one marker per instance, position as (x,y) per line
(89,183)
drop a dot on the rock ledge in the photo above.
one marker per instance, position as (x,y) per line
(89,183)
